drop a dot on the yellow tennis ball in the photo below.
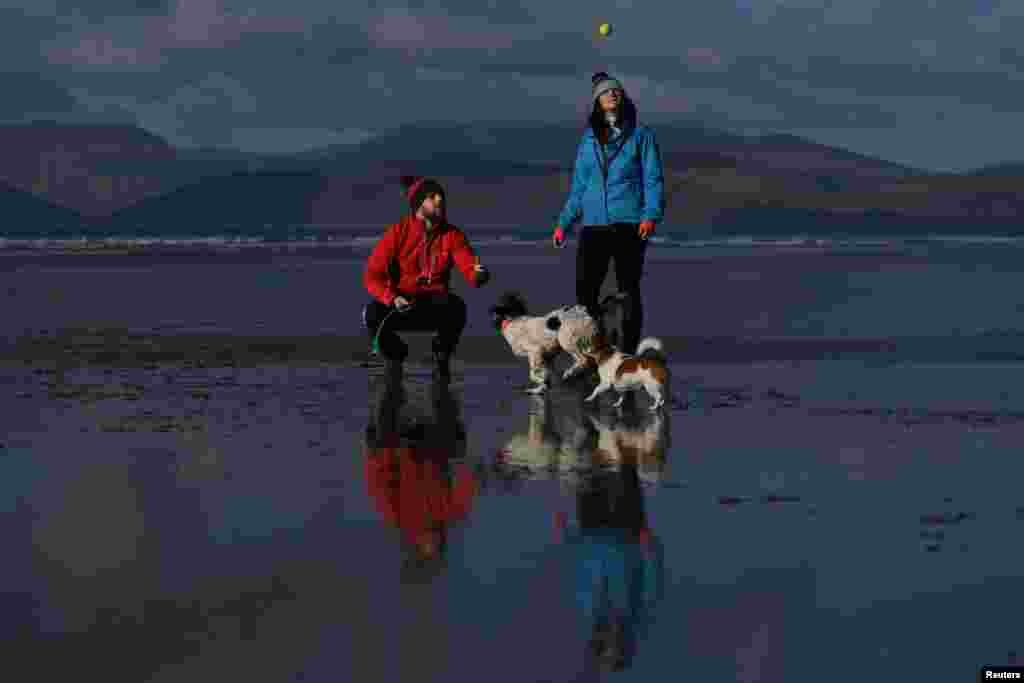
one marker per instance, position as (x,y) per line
(604,29)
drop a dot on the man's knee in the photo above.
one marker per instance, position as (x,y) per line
(455,310)
(373,313)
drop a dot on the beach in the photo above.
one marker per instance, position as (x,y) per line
(835,485)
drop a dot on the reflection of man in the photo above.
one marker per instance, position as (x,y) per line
(411,482)
(619,565)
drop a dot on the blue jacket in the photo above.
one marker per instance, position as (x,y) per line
(614,573)
(634,189)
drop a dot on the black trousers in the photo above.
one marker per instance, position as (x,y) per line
(443,314)
(612,500)
(597,246)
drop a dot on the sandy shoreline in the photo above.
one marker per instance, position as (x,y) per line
(120,347)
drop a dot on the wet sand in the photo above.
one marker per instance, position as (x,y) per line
(190,516)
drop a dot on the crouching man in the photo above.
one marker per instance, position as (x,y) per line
(408,277)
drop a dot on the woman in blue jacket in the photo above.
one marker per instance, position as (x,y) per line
(618,194)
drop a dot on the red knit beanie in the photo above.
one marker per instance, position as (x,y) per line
(417,188)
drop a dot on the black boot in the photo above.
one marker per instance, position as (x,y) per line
(393,369)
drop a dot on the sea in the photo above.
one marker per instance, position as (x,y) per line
(297,236)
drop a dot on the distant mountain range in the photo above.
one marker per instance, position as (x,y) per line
(115,178)
(23,208)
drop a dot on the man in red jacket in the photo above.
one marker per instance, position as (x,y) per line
(408,275)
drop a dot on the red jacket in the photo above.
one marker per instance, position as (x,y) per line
(420,494)
(407,245)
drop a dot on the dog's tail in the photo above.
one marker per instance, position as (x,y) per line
(651,347)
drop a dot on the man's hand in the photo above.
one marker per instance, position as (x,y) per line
(646,229)
(558,237)
(483,276)
(401,304)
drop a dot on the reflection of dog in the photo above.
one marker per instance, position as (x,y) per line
(540,338)
(564,440)
(553,444)
(643,440)
(620,371)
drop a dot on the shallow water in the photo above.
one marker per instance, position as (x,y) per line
(176,523)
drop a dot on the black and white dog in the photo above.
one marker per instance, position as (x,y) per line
(541,338)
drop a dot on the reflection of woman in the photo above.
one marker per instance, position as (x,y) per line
(619,572)
(411,483)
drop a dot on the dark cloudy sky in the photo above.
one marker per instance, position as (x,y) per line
(934,83)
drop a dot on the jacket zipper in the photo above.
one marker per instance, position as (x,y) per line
(602,161)
(604,176)
(431,258)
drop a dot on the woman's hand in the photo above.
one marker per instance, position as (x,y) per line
(401,304)
(558,237)
(646,229)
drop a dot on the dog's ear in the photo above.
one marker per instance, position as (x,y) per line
(509,299)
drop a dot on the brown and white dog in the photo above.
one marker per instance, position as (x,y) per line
(540,338)
(623,372)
